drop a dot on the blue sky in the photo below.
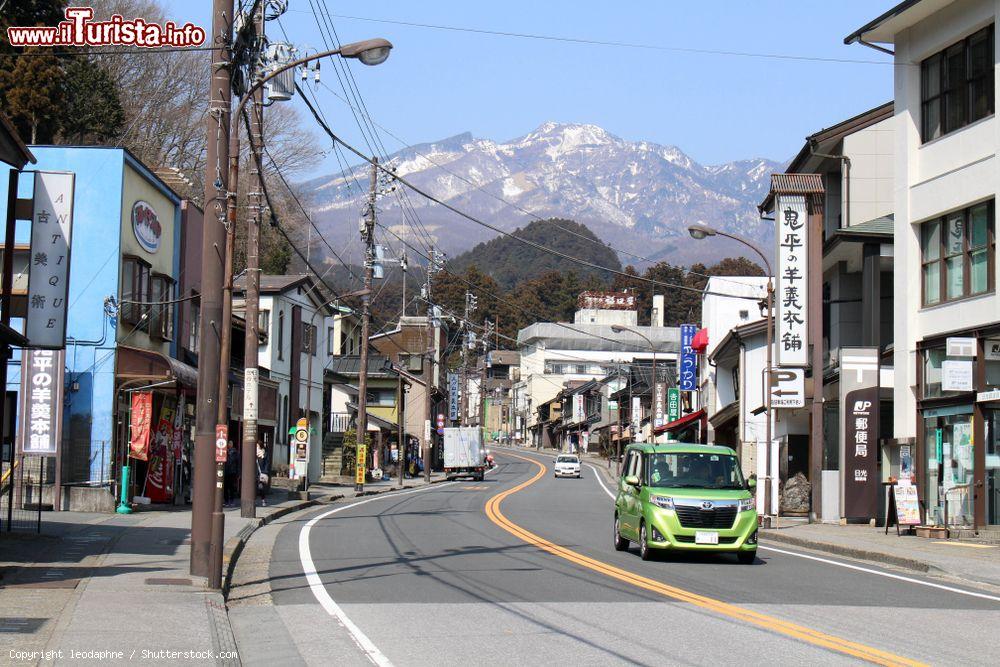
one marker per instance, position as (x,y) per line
(714,107)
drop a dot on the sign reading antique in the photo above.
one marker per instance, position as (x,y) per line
(48,273)
(792,237)
(688,370)
(859,411)
(146,226)
(673,404)
(40,425)
(140,423)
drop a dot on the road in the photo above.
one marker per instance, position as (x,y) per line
(520,569)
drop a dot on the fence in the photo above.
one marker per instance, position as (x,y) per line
(21,506)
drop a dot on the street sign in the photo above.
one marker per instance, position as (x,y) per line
(673,404)
(688,367)
(788,387)
(984,396)
(221,440)
(301,439)
(359,464)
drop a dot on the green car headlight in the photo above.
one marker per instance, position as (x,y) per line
(666,502)
(747,504)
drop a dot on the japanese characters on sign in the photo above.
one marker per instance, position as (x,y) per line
(41,402)
(673,404)
(453,396)
(146,226)
(659,404)
(48,274)
(140,422)
(859,410)
(791,236)
(688,371)
(606,300)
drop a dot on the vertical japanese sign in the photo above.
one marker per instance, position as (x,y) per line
(579,413)
(637,436)
(48,274)
(859,412)
(41,402)
(453,397)
(659,404)
(792,236)
(673,404)
(689,361)
(140,422)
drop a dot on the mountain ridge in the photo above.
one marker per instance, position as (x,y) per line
(637,196)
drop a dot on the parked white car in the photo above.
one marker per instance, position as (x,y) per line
(567,465)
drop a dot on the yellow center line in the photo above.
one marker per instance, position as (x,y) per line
(765,621)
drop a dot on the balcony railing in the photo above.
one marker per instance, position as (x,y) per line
(340,421)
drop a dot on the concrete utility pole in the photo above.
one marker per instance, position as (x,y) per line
(400,428)
(368,236)
(206,544)
(428,367)
(251,374)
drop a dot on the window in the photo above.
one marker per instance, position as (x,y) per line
(135,290)
(383,397)
(161,314)
(281,334)
(956,85)
(684,470)
(330,341)
(263,322)
(958,253)
(195,324)
(309,338)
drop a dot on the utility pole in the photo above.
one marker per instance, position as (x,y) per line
(368,236)
(251,362)
(400,429)
(429,345)
(206,516)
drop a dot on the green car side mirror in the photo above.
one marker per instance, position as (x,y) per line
(751,484)
(632,480)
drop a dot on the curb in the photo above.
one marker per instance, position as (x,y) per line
(849,552)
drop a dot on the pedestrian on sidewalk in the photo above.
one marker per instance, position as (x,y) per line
(231,475)
(262,475)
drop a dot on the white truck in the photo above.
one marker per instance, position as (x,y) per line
(464,455)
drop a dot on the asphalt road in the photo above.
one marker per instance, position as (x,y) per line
(447,576)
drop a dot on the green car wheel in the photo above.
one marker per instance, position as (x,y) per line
(621,544)
(645,552)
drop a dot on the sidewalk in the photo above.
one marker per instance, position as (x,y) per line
(120,584)
(968,560)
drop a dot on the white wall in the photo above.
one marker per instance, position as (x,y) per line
(871,151)
(946,174)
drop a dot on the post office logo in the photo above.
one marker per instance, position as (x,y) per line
(146,226)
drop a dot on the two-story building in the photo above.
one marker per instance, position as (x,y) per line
(946,310)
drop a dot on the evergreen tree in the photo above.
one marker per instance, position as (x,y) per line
(92,111)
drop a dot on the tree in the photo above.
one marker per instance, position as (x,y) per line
(92,110)
(30,90)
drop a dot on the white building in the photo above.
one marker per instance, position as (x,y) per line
(553,353)
(299,331)
(947,181)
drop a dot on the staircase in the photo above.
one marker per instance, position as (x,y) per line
(332,459)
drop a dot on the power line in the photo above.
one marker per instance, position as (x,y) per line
(502,232)
(520,208)
(617,44)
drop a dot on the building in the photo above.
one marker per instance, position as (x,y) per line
(946,343)
(125,255)
(596,344)
(296,318)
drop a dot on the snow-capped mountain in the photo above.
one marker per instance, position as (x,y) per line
(639,197)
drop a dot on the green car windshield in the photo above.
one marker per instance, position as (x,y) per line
(685,470)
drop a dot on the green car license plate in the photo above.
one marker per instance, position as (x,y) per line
(706,537)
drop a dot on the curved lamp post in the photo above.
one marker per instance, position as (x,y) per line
(701,231)
(617,328)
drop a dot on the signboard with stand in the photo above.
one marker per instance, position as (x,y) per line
(859,413)
(40,427)
(792,310)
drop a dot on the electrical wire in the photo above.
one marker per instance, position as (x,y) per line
(533,244)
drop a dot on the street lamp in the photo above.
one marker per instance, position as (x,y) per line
(699,231)
(617,328)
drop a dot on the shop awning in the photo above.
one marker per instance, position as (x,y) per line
(678,424)
(725,415)
(134,363)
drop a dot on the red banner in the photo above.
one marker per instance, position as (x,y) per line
(160,472)
(142,414)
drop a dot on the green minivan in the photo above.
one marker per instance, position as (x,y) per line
(685,497)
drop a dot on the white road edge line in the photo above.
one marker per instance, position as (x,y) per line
(849,566)
(319,590)
(900,577)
